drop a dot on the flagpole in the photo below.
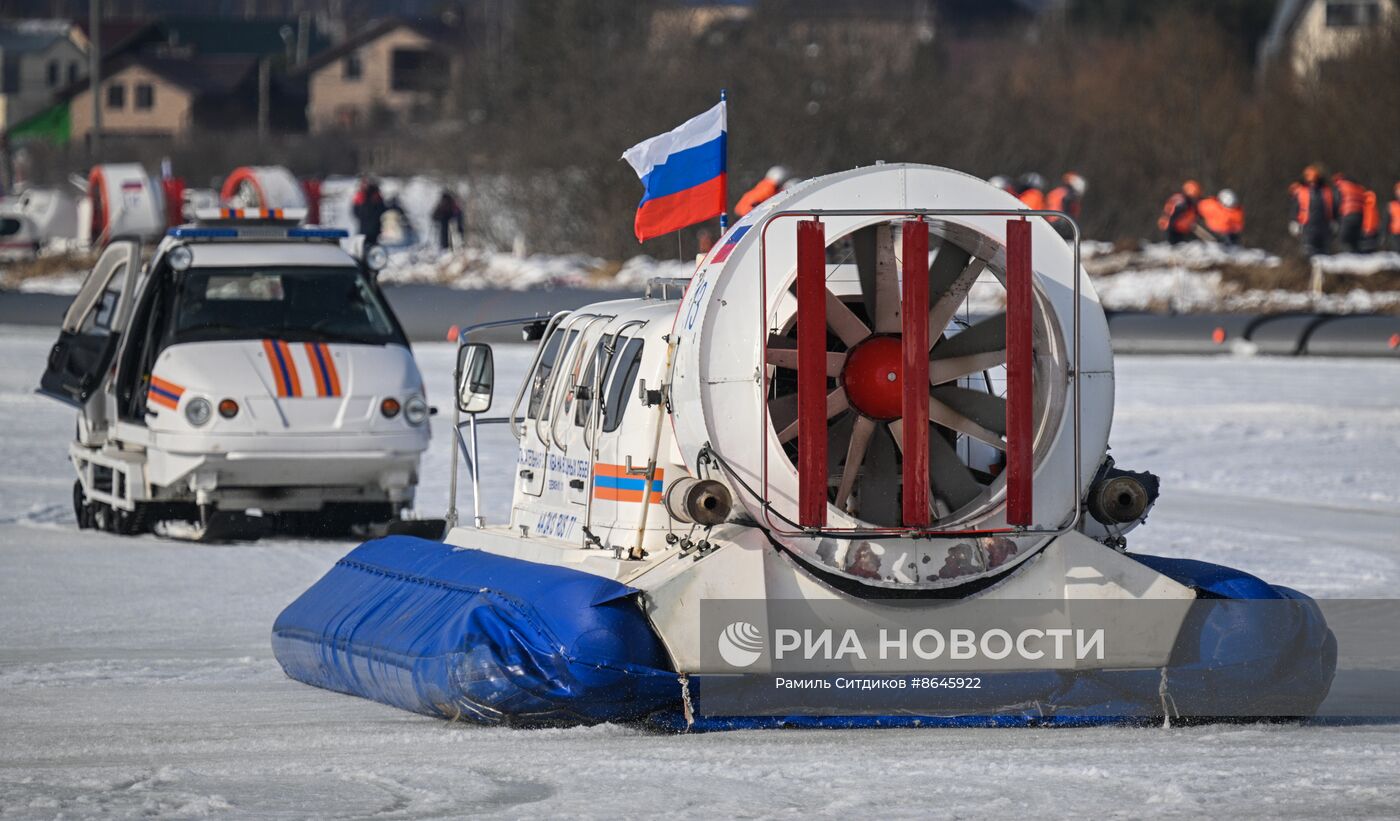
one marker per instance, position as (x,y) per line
(724,163)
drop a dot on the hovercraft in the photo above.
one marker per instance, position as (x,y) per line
(854,472)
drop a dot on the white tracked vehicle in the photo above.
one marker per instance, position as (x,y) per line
(248,375)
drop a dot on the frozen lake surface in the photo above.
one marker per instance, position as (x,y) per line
(136,677)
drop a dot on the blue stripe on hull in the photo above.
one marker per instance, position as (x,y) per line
(626,483)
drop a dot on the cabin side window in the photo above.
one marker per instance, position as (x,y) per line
(627,363)
(540,381)
(577,356)
(584,406)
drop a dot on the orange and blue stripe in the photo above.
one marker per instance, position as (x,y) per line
(612,483)
(284,370)
(163,393)
(323,369)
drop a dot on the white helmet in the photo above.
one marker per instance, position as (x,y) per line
(1001,181)
(1077,183)
(1227,198)
(777,174)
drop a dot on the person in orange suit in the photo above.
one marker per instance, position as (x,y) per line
(1179,215)
(1223,216)
(1351,211)
(1371,224)
(1033,191)
(1068,197)
(766,189)
(1395,219)
(1314,211)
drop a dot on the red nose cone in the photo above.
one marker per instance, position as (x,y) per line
(872,377)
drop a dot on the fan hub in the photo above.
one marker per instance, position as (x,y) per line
(872,377)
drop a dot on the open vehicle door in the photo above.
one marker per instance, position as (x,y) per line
(93,326)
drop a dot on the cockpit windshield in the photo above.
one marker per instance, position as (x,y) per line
(294,304)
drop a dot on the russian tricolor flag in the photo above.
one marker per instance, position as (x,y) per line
(683,172)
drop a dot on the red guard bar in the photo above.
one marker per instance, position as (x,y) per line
(811,374)
(914,378)
(1019,382)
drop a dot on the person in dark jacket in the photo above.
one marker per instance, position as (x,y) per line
(446,214)
(1351,211)
(369,208)
(1314,211)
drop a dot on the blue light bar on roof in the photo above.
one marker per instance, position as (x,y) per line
(319,233)
(255,232)
(186,232)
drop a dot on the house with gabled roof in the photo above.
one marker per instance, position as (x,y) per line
(38,59)
(144,95)
(175,76)
(390,70)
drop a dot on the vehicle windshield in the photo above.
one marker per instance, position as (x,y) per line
(294,304)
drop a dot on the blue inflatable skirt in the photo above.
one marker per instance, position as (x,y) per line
(463,634)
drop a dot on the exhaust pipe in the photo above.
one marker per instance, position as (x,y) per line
(704,502)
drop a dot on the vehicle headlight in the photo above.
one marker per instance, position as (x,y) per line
(376,258)
(415,410)
(198,411)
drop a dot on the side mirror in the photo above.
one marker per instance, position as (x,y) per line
(476,372)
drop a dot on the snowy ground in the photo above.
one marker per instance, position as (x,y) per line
(136,677)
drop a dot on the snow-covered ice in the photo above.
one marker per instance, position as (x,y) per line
(136,677)
(1189,278)
(1359,264)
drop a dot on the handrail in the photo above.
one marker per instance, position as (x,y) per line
(547,399)
(463,339)
(534,363)
(597,414)
(575,372)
